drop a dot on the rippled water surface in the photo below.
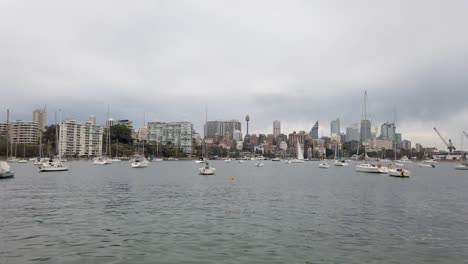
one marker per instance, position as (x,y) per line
(280,213)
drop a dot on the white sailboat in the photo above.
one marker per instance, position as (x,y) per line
(140,161)
(393,171)
(463,166)
(324,166)
(54,164)
(206,170)
(367,167)
(299,154)
(6,171)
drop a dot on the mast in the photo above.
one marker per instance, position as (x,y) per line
(394,130)
(8,131)
(108,147)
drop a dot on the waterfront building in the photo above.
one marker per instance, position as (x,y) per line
(175,134)
(335,127)
(406,144)
(276,128)
(112,122)
(24,132)
(283,145)
(365,130)
(237,135)
(418,147)
(77,139)
(352,133)
(314,131)
(378,144)
(142,133)
(40,117)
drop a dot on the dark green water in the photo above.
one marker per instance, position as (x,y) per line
(280,213)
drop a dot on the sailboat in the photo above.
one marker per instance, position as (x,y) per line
(367,167)
(56,163)
(105,159)
(23,160)
(206,170)
(5,170)
(140,161)
(393,171)
(299,154)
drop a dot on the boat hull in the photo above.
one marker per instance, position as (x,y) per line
(399,173)
(53,169)
(7,175)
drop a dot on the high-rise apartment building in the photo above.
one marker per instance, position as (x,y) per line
(406,144)
(77,139)
(175,134)
(387,131)
(92,119)
(40,117)
(335,127)
(276,128)
(365,130)
(314,131)
(218,127)
(24,132)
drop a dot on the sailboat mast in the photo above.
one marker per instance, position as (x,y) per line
(365,124)
(8,131)
(394,130)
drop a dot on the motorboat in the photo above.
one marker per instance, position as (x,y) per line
(276,159)
(13,159)
(371,168)
(52,165)
(259,164)
(324,166)
(140,162)
(463,166)
(207,170)
(399,172)
(39,161)
(341,163)
(399,164)
(199,161)
(404,159)
(22,161)
(426,165)
(6,171)
(241,161)
(102,161)
(158,159)
(115,159)
(227,160)
(430,161)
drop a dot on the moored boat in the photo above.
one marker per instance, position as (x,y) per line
(6,171)
(324,166)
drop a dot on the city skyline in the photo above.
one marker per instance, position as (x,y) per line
(297,63)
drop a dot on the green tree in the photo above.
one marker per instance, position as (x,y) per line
(121,133)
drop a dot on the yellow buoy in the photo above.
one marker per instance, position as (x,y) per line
(232,178)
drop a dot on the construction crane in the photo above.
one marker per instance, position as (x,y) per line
(466,135)
(449,144)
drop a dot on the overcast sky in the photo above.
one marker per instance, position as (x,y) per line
(295,61)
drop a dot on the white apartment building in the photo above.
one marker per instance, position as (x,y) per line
(80,139)
(176,134)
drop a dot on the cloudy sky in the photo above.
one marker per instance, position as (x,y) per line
(295,61)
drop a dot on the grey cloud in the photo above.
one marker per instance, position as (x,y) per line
(298,61)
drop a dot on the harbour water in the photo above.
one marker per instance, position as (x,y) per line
(279,213)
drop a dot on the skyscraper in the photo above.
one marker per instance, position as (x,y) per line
(92,119)
(40,117)
(335,127)
(220,128)
(365,130)
(352,133)
(276,128)
(314,131)
(387,131)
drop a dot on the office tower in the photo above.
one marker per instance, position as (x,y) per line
(276,128)
(335,127)
(314,131)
